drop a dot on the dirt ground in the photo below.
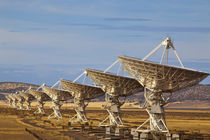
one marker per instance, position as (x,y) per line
(10,128)
(23,125)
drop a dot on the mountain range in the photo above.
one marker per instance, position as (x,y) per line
(198,92)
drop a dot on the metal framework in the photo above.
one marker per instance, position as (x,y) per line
(41,97)
(158,79)
(167,44)
(57,96)
(14,100)
(28,99)
(81,92)
(9,100)
(115,86)
(20,101)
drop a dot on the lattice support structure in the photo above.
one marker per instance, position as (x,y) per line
(115,86)
(80,108)
(20,101)
(154,105)
(28,105)
(40,108)
(56,110)
(41,97)
(57,96)
(9,101)
(112,106)
(81,93)
(28,99)
(14,101)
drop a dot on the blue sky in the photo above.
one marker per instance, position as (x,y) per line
(43,40)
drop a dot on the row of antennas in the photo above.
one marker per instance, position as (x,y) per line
(115,86)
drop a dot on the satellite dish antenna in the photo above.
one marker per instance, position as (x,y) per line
(28,98)
(158,79)
(57,96)
(20,100)
(9,100)
(115,86)
(14,100)
(81,93)
(41,97)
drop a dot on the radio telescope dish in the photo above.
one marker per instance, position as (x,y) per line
(159,79)
(116,86)
(20,100)
(14,100)
(41,97)
(81,92)
(9,100)
(28,99)
(57,96)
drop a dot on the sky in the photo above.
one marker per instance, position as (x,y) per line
(44,40)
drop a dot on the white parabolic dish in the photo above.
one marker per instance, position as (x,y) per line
(159,77)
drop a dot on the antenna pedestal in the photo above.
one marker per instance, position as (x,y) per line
(155,108)
(10,102)
(114,86)
(57,96)
(56,110)
(41,97)
(81,93)
(14,101)
(20,104)
(113,108)
(14,104)
(40,108)
(20,101)
(80,110)
(28,105)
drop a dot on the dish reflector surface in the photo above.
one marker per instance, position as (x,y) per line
(27,96)
(84,92)
(57,94)
(161,78)
(113,84)
(39,95)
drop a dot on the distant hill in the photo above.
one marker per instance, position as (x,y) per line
(198,92)
(12,87)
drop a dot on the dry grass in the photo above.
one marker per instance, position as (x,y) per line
(190,121)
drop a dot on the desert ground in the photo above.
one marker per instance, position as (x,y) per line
(23,125)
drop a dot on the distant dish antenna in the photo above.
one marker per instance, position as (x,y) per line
(41,97)
(57,96)
(14,100)
(156,80)
(115,86)
(81,93)
(28,98)
(20,101)
(9,100)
